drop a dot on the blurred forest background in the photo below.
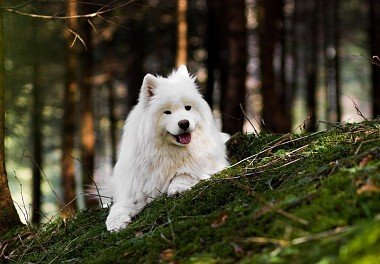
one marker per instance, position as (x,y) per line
(74,70)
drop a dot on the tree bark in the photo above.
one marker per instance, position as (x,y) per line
(69,120)
(112,120)
(274,115)
(8,214)
(37,143)
(374,36)
(233,83)
(213,48)
(181,57)
(331,49)
(87,112)
(312,64)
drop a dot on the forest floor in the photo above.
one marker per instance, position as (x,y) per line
(304,198)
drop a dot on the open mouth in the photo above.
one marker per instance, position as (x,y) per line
(183,138)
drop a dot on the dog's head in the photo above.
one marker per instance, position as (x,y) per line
(175,105)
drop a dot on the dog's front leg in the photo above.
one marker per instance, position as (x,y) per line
(121,213)
(181,183)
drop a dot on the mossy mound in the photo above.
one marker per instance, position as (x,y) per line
(289,199)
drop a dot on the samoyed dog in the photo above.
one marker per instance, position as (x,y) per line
(170,142)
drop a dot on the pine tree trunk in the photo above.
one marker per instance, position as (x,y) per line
(233,91)
(213,48)
(8,214)
(87,113)
(181,57)
(312,64)
(374,36)
(330,23)
(293,83)
(112,120)
(69,120)
(37,143)
(274,115)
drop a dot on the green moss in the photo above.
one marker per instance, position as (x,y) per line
(293,199)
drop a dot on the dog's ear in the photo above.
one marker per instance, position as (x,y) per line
(182,70)
(148,87)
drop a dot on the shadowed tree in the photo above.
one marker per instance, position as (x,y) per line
(331,49)
(8,214)
(234,60)
(374,36)
(214,36)
(87,113)
(69,120)
(37,142)
(275,115)
(312,63)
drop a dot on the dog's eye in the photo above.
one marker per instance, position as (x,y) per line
(167,112)
(188,107)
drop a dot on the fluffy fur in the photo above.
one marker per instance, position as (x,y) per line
(170,142)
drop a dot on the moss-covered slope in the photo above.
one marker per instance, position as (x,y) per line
(289,199)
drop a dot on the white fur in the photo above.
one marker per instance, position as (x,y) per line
(151,162)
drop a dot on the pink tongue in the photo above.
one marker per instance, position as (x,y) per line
(184,138)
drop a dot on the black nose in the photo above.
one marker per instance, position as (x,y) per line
(184,124)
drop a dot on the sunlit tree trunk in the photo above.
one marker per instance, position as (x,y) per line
(37,143)
(87,113)
(181,57)
(69,120)
(374,36)
(233,90)
(8,214)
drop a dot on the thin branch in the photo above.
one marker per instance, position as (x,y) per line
(90,15)
(246,117)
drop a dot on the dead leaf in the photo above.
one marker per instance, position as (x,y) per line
(167,254)
(138,234)
(237,249)
(220,220)
(365,161)
(369,186)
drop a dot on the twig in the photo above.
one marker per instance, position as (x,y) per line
(297,241)
(272,147)
(324,234)
(90,15)
(246,117)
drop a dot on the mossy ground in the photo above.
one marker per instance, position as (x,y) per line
(310,198)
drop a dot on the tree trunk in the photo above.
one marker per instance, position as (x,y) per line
(112,120)
(293,83)
(69,120)
(37,143)
(181,57)
(87,115)
(374,35)
(8,214)
(135,62)
(330,25)
(233,91)
(213,48)
(274,115)
(312,64)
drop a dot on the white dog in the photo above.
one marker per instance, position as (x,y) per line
(170,142)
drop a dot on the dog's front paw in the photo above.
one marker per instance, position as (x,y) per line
(117,221)
(177,189)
